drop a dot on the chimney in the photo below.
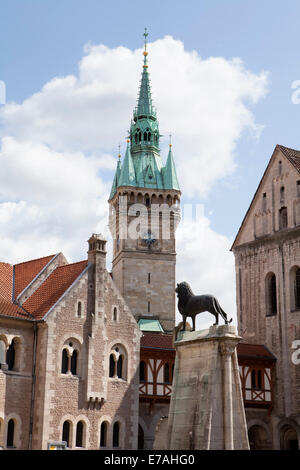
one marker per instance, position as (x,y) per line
(97,249)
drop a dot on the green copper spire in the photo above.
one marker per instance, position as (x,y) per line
(169,174)
(142,166)
(116,177)
(144,107)
(127,175)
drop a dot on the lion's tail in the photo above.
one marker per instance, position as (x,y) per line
(222,313)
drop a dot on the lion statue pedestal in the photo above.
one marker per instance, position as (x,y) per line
(206,409)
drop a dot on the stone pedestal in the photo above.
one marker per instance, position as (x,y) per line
(206,409)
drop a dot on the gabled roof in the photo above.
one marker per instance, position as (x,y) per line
(294,158)
(53,288)
(25,272)
(45,296)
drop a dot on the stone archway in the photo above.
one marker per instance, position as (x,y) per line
(288,438)
(258,438)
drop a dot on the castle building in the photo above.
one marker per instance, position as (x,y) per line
(86,356)
(267,260)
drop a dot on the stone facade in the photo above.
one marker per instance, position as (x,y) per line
(206,410)
(90,395)
(267,257)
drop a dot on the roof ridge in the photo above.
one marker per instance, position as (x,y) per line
(36,259)
(70,264)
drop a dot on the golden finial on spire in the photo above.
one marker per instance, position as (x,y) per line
(170,140)
(145,53)
(145,42)
(119,154)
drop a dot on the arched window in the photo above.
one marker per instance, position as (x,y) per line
(271,294)
(283,218)
(64,362)
(10,355)
(10,433)
(79,434)
(79,309)
(103,434)
(264,201)
(116,434)
(118,362)
(145,136)
(282,195)
(66,432)
(120,367)
(111,365)
(70,357)
(74,362)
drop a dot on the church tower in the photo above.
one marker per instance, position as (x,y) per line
(144,212)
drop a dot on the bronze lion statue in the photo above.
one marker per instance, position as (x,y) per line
(189,305)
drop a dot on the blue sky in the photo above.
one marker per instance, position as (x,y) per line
(42,40)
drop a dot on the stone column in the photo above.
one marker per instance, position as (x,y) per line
(206,409)
(227,349)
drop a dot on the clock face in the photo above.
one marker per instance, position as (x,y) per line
(149,238)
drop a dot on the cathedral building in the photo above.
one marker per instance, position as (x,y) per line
(267,259)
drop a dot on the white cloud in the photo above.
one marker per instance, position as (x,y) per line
(205,262)
(57,151)
(205,103)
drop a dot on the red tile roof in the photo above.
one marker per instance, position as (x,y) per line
(292,155)
(157,341)
(254,351)
(26,272)
(7,307)
(50,291)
